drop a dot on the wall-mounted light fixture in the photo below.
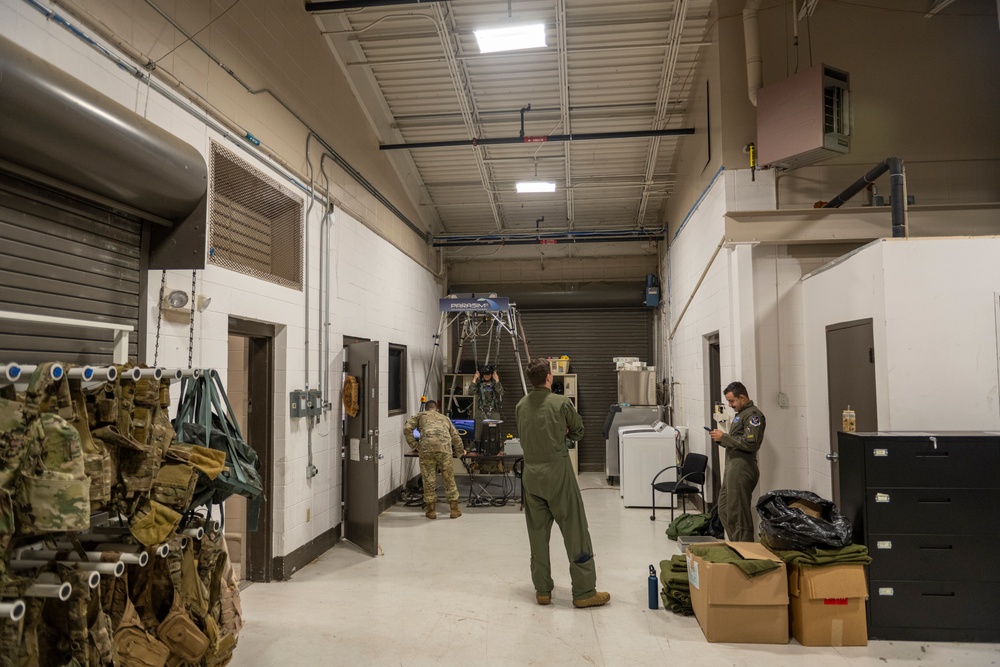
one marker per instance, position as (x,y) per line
(175,299)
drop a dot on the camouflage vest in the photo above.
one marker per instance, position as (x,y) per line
(97,460)
(52,493)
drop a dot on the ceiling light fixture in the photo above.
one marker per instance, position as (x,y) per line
(511,37)
(535,186)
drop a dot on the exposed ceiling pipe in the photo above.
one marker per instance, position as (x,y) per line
(751,38)
(496,141)
(897,185)
(546,238)
(561,45)
(337,5)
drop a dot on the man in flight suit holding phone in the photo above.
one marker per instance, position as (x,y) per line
(742,472)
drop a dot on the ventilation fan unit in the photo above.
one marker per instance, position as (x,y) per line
(804,118)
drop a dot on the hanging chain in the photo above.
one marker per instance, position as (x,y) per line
(194,278)
(159,317)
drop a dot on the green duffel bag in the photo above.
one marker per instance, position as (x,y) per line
(688,524)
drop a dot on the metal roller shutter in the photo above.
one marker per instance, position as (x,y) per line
(591,337)
(65,258)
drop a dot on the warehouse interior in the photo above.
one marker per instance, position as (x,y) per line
(292,193)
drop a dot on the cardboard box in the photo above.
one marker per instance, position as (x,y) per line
(731,607)
(828,605)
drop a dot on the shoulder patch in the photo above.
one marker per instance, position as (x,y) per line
(755,420)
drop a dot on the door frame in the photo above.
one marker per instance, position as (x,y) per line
(834,454)
(260,422)
(713,390)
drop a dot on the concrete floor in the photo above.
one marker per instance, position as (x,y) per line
(458,592)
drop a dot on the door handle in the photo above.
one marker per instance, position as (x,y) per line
(833,456)
(381,456)
(369,458)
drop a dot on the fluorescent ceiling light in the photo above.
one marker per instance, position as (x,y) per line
(535,186)
(511,37)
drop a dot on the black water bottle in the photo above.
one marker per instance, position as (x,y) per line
(654,599)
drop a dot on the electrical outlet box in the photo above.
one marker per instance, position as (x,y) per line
(314,403)
(297,403)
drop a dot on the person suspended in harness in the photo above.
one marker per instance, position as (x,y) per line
(488,391)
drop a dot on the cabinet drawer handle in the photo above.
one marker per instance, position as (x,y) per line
(938,595)
(932,454)
(937,548)
(934,501)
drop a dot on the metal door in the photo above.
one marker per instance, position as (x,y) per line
(850,370)
(362,456)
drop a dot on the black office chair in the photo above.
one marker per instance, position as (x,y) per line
(691,481)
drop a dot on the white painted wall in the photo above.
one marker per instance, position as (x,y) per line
(378,292)
(687,257)
(934,322)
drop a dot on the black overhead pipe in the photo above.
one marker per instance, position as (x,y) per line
(897,191)
(639,134)
(334,5)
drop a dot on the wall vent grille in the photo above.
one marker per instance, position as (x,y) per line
(255,222)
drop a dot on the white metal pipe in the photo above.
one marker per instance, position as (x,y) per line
(751,39)
(140,558)
(173,373)
(117,568)
(162,550)
(61,591)
(196,533)
(85,373)
(56,372)
(12,610)
(155,373)
(11,372)
(53,578)
(191,372)
(132,374)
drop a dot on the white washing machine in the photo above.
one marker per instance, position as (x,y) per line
(643,454)
(624,431)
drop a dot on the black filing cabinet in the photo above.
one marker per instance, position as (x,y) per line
(925,505)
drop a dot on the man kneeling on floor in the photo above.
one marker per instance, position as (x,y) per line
(551,492)
(437,437)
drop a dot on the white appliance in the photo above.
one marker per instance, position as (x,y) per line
(623,433)
(643,454)
(629,415)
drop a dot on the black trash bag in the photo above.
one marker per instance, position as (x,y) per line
(787,527)
(714,527)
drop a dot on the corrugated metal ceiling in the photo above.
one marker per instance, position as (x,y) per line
(608,67)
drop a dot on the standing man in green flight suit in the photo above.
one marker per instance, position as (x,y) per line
(551,493)
(437,438)
(742,442)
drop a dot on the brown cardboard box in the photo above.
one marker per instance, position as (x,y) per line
(828,605)
(731,607)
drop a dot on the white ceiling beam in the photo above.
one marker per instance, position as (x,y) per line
(662,111)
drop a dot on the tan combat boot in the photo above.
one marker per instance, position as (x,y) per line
(596,600)
(455,512)
(431,512)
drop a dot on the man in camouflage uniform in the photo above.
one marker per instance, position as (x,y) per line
(742,442)
(551,492)
(437,438)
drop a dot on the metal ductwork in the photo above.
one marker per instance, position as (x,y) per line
(56,126)
(897,185)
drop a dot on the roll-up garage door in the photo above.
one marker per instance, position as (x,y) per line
(65,258)
(591,338)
